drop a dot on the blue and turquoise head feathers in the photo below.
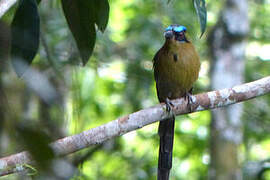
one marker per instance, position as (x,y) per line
(176,28)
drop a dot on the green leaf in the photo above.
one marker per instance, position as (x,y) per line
(102,14)
(80,18)
(201,13)
(25,35)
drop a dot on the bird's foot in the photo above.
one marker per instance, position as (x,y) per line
(169,106)
(188,97)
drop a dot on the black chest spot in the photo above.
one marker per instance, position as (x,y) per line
(175,57)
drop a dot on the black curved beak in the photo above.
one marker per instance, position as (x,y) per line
(168,34)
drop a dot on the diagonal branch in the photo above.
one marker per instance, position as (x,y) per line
(139,119)
(5,5)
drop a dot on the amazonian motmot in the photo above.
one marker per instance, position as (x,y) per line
(176,68)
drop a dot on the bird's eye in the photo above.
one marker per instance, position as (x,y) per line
(180,36)
(178,33)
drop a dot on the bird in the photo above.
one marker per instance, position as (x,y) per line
(176,67)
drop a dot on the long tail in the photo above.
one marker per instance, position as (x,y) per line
(166,134)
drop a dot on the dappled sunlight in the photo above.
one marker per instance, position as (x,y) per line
(256,49)
(113,71)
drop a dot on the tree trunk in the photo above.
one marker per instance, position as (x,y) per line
(227,43)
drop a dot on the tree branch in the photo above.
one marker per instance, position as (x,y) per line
(136,120)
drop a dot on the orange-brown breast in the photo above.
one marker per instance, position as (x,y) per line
(176,68)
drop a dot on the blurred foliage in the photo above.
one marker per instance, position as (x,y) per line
(119,80)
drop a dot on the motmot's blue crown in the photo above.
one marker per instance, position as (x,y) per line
(176,28)
(176,32)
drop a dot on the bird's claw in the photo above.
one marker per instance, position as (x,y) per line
(188,97)
(169,106)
